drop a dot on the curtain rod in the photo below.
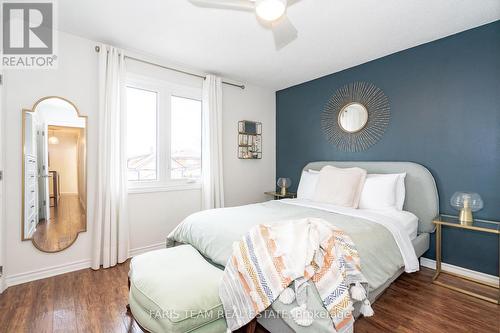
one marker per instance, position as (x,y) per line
(241,86)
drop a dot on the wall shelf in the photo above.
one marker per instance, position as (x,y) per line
(249,140)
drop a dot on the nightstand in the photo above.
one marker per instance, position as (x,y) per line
(479,226)
(279,196)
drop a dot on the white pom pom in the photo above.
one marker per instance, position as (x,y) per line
(287,296)
(301,292)
(228,331)
(358,292)
(302,316)
(366,309)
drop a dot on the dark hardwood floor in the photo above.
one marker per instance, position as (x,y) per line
(67,220)
(94,301)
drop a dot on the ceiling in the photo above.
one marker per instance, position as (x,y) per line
(333,34)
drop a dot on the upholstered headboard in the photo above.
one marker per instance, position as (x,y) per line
(421,191)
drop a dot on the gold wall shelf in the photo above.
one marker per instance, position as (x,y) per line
(249,140)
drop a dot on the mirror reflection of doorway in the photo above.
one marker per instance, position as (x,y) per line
(62,188)
(54,174)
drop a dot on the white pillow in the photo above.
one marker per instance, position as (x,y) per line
(341,187)
(383,191)
(400,191)
(307,184)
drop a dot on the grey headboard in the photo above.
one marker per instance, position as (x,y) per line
(421,192)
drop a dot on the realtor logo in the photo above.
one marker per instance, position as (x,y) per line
(28,34)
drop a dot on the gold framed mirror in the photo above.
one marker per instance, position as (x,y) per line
(356,116)
(54,177)
(353,117)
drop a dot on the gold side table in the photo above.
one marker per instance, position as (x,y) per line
(478,225)
(279,196)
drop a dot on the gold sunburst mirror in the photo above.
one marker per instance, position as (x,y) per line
(356,117)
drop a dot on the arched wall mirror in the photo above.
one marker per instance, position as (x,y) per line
(54,174)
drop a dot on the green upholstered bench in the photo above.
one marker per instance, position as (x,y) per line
(176,290)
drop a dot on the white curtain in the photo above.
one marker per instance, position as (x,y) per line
(110,232)
(211,156)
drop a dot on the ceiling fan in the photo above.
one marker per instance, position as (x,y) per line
(270,13)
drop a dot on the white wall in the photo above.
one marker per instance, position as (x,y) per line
(63,158)
(52,112)
(152,215)
(76,80)
(246,180)
(2,196)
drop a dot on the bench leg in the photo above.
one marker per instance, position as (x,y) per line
(128,305)
(251,326)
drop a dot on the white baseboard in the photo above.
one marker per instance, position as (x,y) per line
(2,285)
(144,249)
(429,263)
(43,273)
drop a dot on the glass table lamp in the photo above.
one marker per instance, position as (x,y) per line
(284,184)
(466,203)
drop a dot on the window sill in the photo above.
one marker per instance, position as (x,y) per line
(167,188)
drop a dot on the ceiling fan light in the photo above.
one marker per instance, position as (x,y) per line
(270,10)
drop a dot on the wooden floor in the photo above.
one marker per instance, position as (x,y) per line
(94,301)
(67,220)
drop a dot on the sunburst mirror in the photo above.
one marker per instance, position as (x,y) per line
(356,117)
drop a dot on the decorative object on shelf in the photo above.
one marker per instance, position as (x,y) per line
(249,140)
(466,203)
(356,116)
(284,184)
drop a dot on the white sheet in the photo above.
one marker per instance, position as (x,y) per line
(397,222)
(408,221)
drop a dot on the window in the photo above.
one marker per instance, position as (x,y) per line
(185,157)
(164,135)
(142,106)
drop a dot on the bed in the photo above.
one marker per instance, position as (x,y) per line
(388,244)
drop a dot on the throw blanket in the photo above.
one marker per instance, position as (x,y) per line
(269,259)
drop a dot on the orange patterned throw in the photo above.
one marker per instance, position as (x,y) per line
(276,263)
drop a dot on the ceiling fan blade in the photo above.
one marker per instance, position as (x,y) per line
(284,32)
(245,5)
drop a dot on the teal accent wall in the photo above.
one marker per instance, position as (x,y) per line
(445,105)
